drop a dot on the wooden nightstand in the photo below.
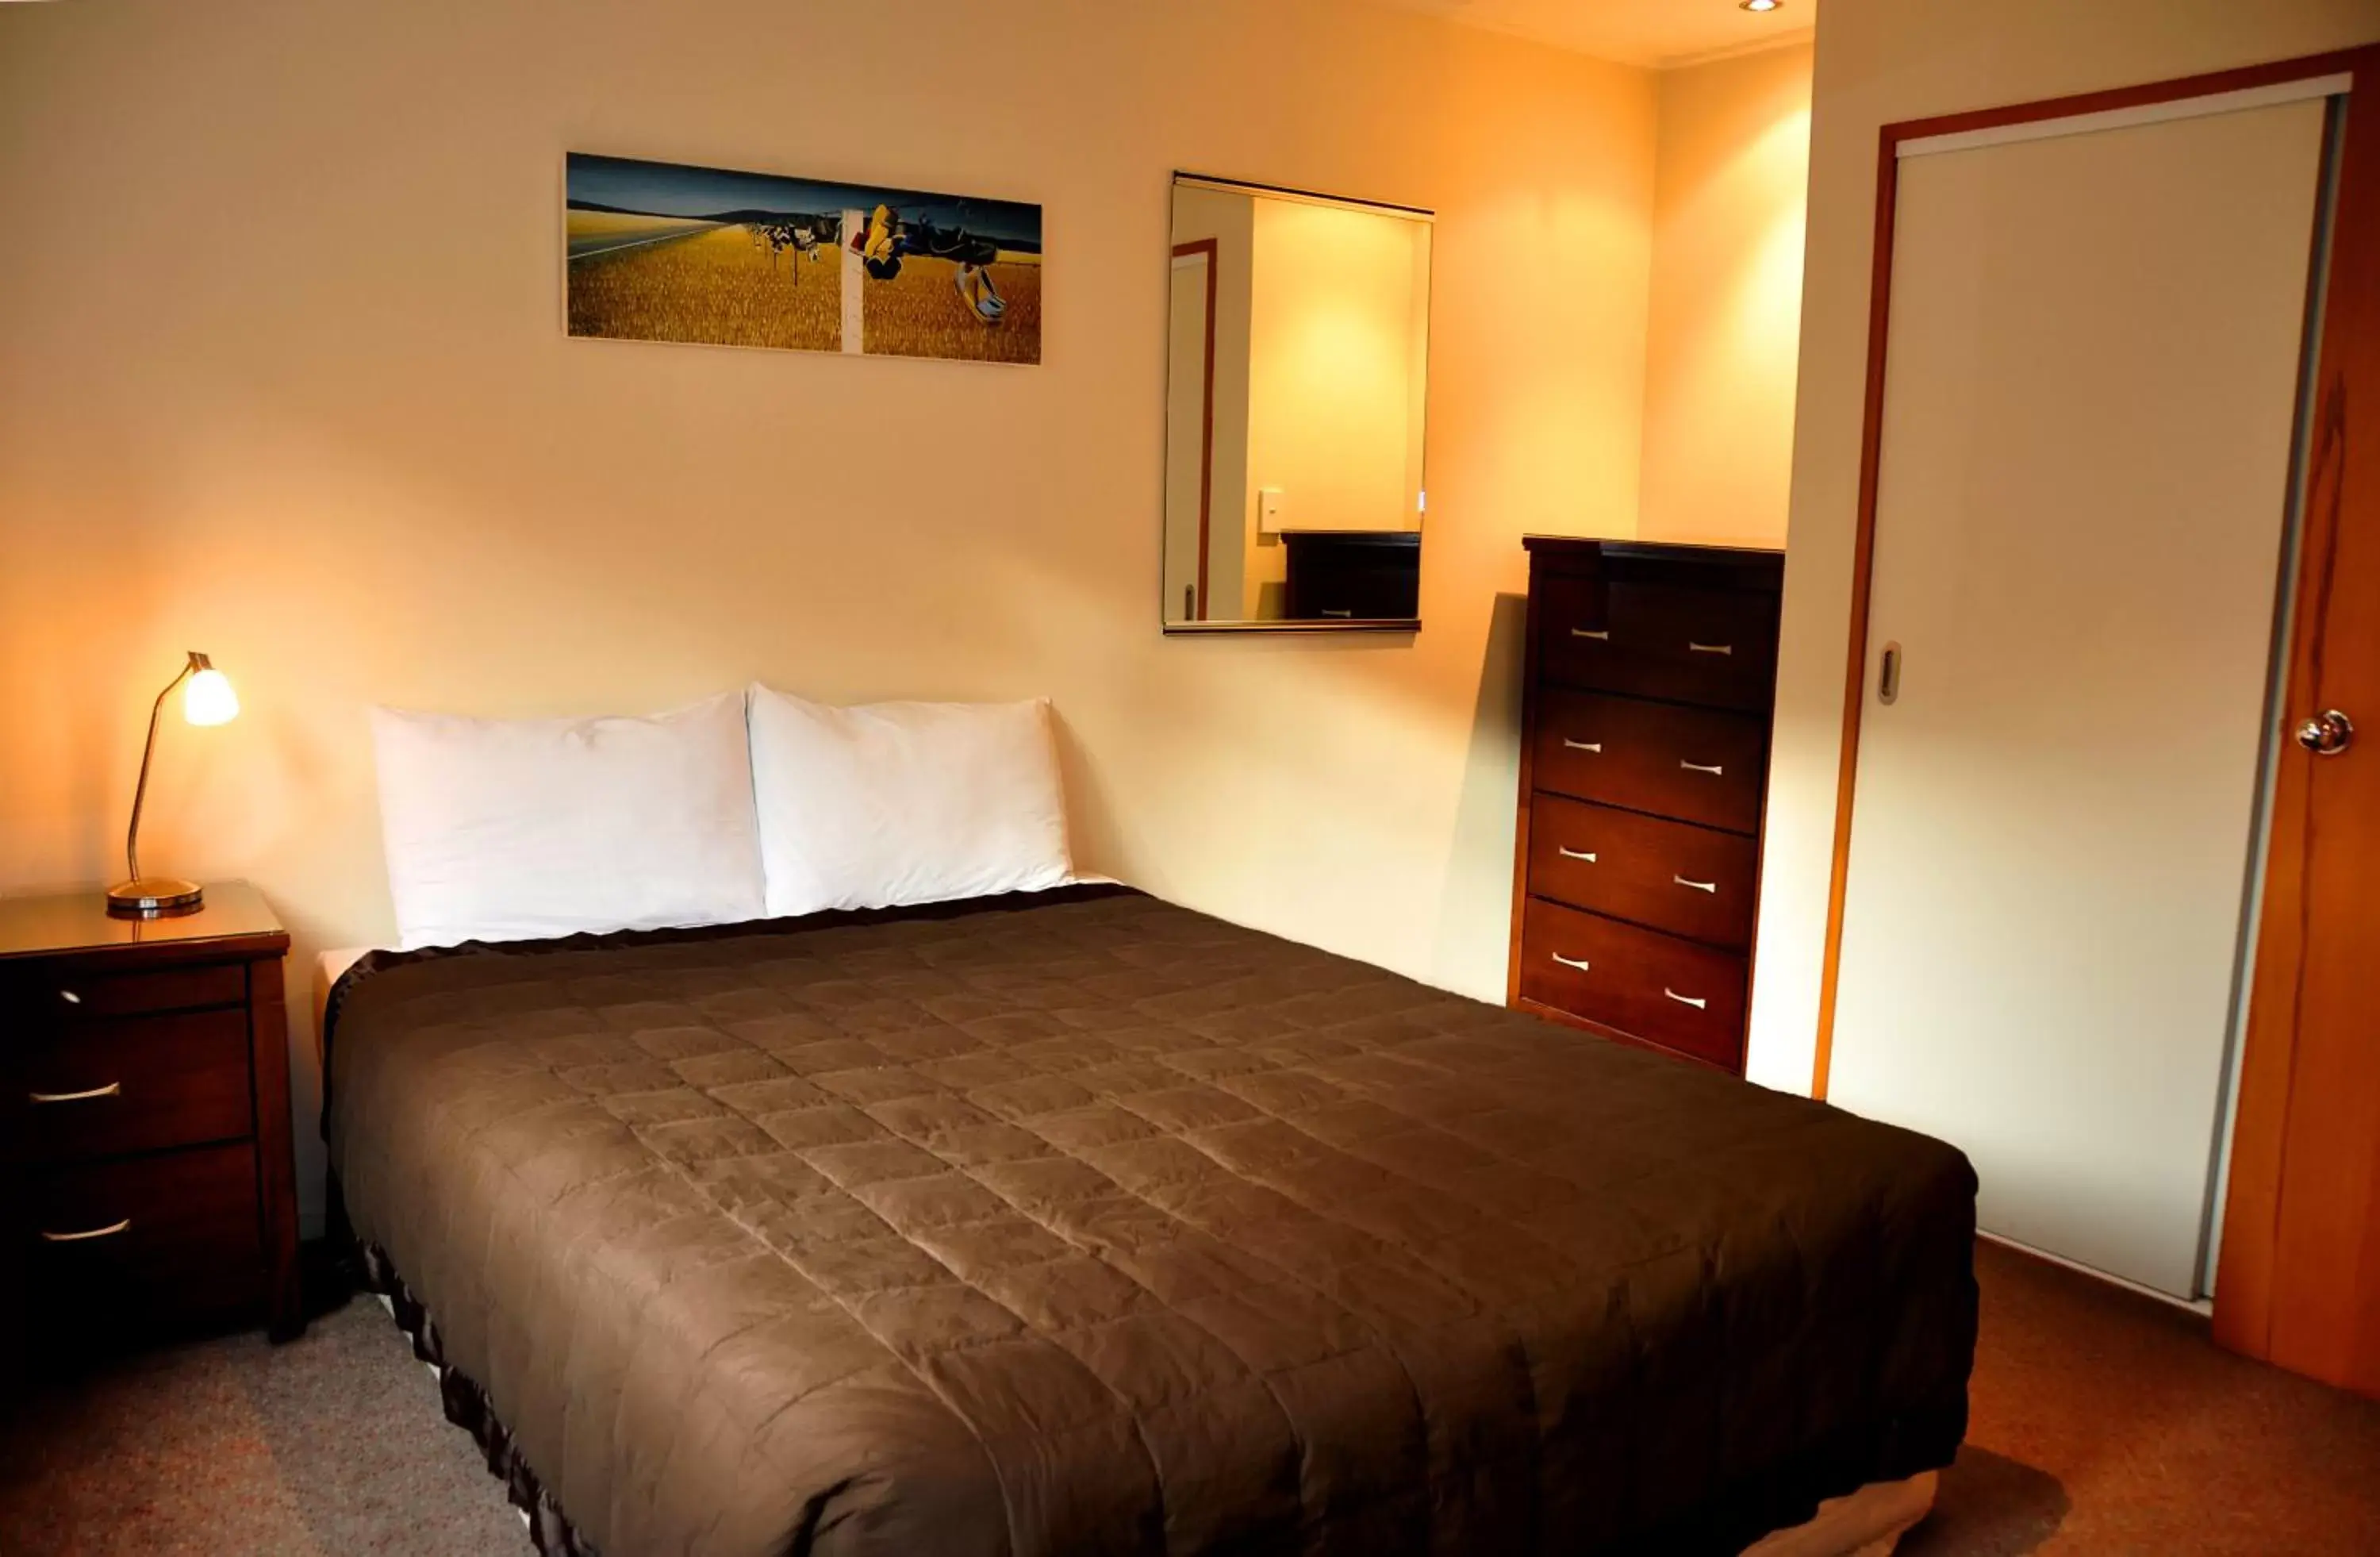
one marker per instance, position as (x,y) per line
(144,1121)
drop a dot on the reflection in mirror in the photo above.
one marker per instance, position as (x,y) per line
(1297,369)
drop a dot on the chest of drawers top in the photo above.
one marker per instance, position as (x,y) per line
(1644,769)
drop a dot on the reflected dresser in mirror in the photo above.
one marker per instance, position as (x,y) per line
(1649,692)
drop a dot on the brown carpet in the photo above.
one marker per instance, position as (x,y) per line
(332,1444)
(2104,1422)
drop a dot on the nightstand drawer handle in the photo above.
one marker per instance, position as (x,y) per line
(1694,647)
(1711,887)
(70,997)
(1579,963)
(1596,747)
(1714,769)
(1590,632)
(93,1233)
(111,1090)
(1697,1003)
(1569,853)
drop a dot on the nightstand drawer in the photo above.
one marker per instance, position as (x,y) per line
(136,1084)
(60,998)
(146,1237)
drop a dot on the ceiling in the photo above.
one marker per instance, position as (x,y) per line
(1652,33)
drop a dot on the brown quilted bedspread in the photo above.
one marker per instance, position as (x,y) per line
(1084,1224)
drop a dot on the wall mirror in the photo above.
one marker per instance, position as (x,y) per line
(1297,371)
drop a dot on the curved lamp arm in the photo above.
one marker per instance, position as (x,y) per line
(198,662)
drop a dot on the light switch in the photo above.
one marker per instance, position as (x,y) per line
(1269,506)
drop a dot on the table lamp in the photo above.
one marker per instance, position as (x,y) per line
(208,700)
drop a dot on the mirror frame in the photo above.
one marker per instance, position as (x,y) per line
(1300,625)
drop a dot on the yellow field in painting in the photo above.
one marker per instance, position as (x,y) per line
(920,313)
(619,224)
(720,288)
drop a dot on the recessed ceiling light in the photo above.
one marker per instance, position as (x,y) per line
(1761,4)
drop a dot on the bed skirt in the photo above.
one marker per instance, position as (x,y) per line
(467,1406)
(1868,1523)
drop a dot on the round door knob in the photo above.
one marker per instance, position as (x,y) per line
(2327,735)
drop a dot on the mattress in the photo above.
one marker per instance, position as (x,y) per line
(1078,1221)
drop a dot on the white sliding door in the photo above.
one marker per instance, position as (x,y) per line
(2089,398)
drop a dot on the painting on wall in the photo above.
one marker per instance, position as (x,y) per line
(659,251)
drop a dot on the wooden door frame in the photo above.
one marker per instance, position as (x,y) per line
(1212,249)
(2345,346)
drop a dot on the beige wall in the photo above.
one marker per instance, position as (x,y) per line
(1732,169)
(283,377)
(1879,61)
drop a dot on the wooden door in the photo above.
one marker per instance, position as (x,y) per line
(2298,1277)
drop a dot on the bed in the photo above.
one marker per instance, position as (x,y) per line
(1075,1222)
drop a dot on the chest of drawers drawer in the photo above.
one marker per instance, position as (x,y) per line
(135,1084)
(1670,875)
(1673,992)
(1696,764)
(1717,647)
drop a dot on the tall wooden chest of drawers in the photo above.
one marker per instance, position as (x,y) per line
(146,1181)
(1650,689)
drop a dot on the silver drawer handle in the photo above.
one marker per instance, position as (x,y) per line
(1685,999)
(1583,746)
(1569,853)
(1711,887)
(1694,647)
(70,997)
(111,1090)
(1589,632)
(1328,611)
(1714,769)
(1579,963)
(93,1233)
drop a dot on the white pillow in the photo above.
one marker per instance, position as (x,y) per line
(508,829)
(896,803)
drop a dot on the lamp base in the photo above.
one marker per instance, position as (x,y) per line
(155,897)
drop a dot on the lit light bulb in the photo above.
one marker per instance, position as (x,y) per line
(1761,4)
(208,699)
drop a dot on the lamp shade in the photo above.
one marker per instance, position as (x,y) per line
(208,699)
